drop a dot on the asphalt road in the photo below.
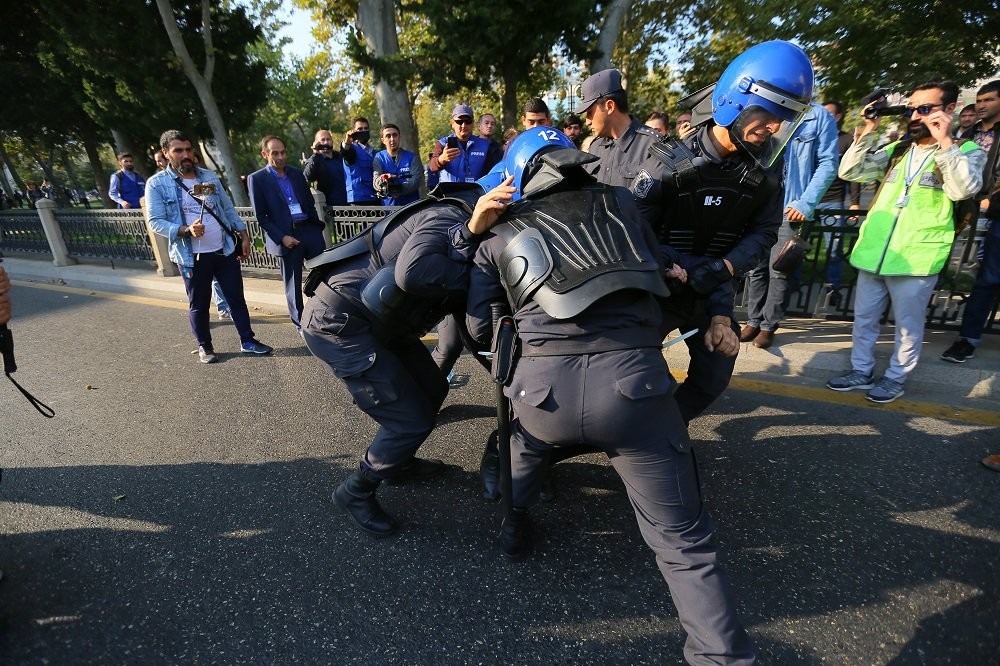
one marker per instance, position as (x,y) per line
(179,513)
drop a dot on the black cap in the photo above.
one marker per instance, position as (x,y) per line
(599,85)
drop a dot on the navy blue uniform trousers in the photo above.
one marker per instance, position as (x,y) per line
(395,382)
(198,284)
(620,402)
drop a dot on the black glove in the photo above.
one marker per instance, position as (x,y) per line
(706,278)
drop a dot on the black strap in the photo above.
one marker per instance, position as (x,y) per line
(9,366)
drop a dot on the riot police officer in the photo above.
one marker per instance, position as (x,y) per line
(375,295)
(715,200)
(582,274)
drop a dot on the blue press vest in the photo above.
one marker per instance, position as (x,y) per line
(405,172)
(359,177)
(129,191)
(470,165)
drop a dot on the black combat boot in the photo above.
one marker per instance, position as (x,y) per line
(515,535)
(489,468)
(356,496)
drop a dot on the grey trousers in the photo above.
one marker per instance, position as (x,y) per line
(767,289)
(910,296)
(621,402)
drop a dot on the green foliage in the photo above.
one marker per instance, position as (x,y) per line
(855,45)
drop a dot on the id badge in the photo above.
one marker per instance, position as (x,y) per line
(295,209)
(902,200)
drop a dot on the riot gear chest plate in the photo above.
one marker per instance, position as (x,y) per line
(706,207)
(568,249)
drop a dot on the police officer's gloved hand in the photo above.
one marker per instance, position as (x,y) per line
(706,278)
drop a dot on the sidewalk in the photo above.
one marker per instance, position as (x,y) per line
(806,352)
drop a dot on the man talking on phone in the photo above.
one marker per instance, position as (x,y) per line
(461,157)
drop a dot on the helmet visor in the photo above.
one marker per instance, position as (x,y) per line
(762,134)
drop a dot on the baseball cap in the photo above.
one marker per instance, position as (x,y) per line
(462,110)
(598,85)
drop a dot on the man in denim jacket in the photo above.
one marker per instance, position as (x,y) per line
(200,243)
(811,159)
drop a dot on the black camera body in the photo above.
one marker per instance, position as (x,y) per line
(877,105)
(361,136)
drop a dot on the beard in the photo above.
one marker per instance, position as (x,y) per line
(918,130)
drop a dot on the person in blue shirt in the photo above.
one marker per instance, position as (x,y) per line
(397,173)
(461,157)
(286,211)
(127,186)
(358,157)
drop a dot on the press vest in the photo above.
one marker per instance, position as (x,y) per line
(470,165)
(359,175)
(403,170)
(913,238)
(131,191)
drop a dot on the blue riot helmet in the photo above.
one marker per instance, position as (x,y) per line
(524,150)
(496,176)
(762,97)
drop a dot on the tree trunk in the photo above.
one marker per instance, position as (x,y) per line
(202,83)
(46,167)
(377,20)
(90,145)
(5,162)
(608,36)
(508,100)
(10,168)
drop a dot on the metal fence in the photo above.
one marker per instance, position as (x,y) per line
(107,234)
(346,222)
(815,291)
(110,235)
(21,231)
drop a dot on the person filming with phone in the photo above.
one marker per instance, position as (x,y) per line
(358,165)
(461,157)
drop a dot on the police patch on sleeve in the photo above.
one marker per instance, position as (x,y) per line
(642,184)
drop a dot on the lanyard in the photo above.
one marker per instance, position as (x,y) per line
(909,176)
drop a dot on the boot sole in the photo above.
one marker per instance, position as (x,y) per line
(358,524)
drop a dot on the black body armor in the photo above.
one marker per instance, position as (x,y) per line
(568,249)
(706,206)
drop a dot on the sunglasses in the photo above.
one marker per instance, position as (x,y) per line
(923,109)
(459,121)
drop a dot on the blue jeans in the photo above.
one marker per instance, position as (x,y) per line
(198,284)
(220,299)
(985,289)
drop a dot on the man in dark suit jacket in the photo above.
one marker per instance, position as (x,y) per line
(285,209)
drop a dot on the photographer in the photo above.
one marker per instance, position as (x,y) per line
(358,157)
(326,169)
(907,236)
(397,173)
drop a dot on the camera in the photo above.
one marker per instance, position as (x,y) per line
(322,147)
(361,136)
(877,105)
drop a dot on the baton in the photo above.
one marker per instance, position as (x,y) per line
(504,333)
(674,341)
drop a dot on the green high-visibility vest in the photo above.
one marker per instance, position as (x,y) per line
(910,239)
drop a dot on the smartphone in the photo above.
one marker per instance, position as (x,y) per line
(203,189)
(452,142)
